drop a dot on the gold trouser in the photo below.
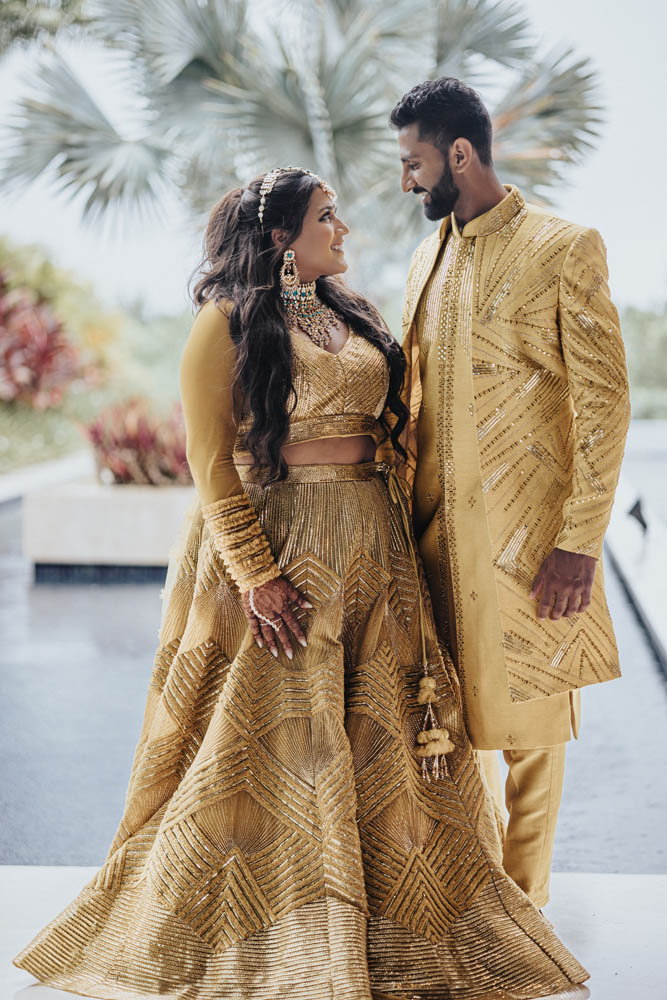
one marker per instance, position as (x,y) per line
(532,797)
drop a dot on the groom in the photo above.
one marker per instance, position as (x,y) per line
(519,408)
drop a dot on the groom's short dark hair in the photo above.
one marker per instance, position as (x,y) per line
(444,110)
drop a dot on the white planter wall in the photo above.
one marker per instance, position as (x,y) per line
(86,522)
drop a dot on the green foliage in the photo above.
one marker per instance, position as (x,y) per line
(38,363)
(645,338)
(122,355)
(92,328)
(27,436)
(143,360)
(131,353)
(149,357)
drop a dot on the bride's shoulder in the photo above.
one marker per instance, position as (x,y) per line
(216,309)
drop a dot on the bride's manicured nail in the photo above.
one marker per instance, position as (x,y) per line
(307,604)
(290,654)
(303,642)
(275,653)
(260,643)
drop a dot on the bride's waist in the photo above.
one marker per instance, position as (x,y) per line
(316,472)
(317,428)
(351,448)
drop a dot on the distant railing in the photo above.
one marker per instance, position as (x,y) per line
(637,544)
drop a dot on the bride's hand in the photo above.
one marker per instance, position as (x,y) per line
(274,600)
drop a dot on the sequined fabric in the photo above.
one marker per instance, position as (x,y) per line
(518,392)
(337,395)
(241,542)
(277,838)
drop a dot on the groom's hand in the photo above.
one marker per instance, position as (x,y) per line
(564,584)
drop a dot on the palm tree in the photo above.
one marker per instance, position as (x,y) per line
(227,88)
(22,22)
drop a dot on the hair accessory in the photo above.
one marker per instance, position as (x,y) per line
(273,175)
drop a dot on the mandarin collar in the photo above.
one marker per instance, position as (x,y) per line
(488,222)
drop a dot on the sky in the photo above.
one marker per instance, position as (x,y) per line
(618,189)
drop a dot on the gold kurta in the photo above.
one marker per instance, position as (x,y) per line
(518,394)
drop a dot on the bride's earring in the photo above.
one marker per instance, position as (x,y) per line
(289,275)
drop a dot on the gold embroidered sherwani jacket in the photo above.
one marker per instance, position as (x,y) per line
(519,408)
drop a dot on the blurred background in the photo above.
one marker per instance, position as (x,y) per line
(121,124)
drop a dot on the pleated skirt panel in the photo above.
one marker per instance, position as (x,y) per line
(278,838)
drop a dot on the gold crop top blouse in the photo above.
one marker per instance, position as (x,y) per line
(337,395)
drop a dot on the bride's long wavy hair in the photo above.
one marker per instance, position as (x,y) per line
(242,264)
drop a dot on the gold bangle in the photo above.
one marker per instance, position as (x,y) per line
(238,537)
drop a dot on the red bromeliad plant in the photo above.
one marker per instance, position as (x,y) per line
(134,446)
(37,361)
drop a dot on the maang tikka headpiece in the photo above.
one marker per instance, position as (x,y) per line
(271,178)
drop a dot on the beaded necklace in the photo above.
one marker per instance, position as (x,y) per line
(306,309)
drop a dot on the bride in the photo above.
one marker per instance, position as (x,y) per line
(305,817)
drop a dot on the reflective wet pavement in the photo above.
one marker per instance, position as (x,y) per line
(75,660)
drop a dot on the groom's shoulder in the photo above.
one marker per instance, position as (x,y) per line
(425,248)
(538,216)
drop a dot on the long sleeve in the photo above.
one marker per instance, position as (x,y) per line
(211,420)
(597,376)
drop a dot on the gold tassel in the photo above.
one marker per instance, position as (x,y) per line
(432,741)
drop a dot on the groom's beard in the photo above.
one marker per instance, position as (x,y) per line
(443,196)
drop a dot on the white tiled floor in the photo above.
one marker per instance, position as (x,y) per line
(616,925)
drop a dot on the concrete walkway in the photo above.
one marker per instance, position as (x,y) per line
(74,670)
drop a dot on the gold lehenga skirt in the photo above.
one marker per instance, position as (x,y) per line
(278,839)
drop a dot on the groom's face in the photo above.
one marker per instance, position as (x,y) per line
(426,173)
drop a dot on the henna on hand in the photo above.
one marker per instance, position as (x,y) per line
(564,584)
(273,600)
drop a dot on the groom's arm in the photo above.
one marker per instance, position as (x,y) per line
(597,377)
(595,362)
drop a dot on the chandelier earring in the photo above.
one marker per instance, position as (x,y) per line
(303,305)
(289,274)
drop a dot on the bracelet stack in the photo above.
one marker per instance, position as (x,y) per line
(239,539)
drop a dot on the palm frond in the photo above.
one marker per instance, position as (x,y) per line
(492,29)
(227,88)
(168,36)
(179,48)
(262,121)
(548,118)
(62,127)
(22,22)
(339,127)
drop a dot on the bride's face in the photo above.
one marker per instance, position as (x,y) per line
(318,249)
